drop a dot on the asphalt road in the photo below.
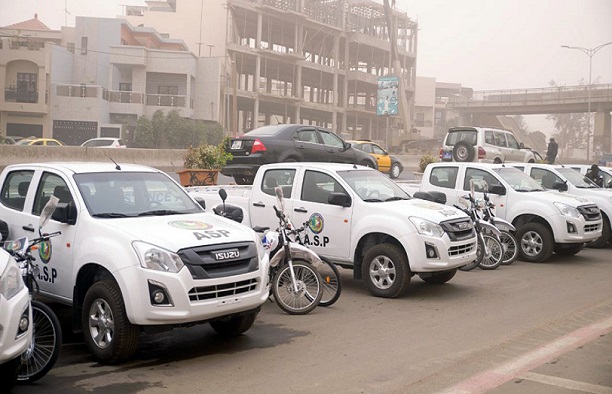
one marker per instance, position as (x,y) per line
(512,330)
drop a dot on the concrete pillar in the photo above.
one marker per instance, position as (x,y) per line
(602,132)
(256,113)
(344,103)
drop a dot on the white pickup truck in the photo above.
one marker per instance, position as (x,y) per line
(359,219)
(136,252)
(546,221)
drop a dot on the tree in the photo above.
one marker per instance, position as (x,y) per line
(571,129)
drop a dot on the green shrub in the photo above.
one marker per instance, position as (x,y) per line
(425,160)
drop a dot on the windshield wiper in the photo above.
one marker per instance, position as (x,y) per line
(373,200)
(396,198)
(110,215)
(160,212)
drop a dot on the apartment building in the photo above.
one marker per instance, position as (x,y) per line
(299,61)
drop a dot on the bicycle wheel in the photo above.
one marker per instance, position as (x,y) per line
(508,242)
(492,257)
(332,284)
(44,350)
(304,298)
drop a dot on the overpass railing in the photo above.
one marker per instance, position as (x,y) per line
(535,96)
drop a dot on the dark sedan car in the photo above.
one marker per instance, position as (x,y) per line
(286,143)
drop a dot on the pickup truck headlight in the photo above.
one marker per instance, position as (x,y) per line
(155,258)
(11,282)
(425,227)
(567,210)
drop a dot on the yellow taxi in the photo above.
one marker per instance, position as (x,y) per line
(387,164)
(40,142)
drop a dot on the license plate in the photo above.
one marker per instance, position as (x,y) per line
(447,155)
(236,144)
(227,254)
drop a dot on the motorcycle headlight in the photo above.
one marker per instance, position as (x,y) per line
(425,227)
(567,210)
(155,258)
(11,282)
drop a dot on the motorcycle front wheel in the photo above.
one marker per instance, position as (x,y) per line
(44,350)
(494,253)
(510,246)
(304,298)
(332,284)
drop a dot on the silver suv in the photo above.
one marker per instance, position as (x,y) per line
(483,144)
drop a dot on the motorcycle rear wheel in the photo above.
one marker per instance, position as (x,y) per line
(306,297)
(332,284)
(44,350)
(510,247)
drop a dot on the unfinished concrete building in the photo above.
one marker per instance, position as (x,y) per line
(316,62)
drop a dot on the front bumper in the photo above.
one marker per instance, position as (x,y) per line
(433,254)
(192,300)
(575,230)
(11,345)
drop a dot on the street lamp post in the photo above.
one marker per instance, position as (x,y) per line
(590,52)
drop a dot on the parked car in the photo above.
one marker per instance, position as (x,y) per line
(288,143)
(104,142)
(388,164)
(40,142)
(585,169)
(7,140)
(484,145)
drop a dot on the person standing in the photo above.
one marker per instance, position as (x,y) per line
(551,151)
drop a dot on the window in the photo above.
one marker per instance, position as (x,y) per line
(378,150)
(489,138)
(282,178)
(15,189)
(307,136)
(444,177)
(26,82)
(482,180)
(169,90)
(366,148)
(50,185)
(545,178)
(330,139)
(461,135)
(512,142)
(318,187)
(125,87)
(500,139)
(83,45)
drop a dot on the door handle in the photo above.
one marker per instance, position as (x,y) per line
(301,210)
(28,228)
(259,204)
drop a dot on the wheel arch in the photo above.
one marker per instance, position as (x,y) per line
(526,218)
(366,242)
(88,274)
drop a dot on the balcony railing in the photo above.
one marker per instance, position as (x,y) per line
(20,96)
(77,91)
(115,96)
(164,100)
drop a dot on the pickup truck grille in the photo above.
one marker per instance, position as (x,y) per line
(219,261)
(224,290)
(590,212)
(461,249)
(589,228)
(458,229)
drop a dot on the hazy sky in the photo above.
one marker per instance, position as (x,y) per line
(482,44)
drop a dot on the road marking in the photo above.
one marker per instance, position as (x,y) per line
(488,380)
(567,383)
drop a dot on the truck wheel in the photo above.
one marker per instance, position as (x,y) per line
(568,249)
(108,333)
(536,242)
(439,278)
(605,234)
(235,325)
(385,271)
(395,171)
(463,151)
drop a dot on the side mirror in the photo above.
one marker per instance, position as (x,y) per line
(201,201)
(340,199)
(561,186)
(521,145)
(65,213)
(346,146)
(223,194)
(497,189)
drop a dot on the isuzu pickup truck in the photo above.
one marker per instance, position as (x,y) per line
(546,221)
(136,253)
(359,219)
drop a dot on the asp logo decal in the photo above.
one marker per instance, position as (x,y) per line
(44,251)
(190,225)
(315,223)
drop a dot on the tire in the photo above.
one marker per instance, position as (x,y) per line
(568,249)
(235,325)
(605,234)
(495,253)
(332,284)
(243,180)
(395,171)
(510,247)
(385,271)
(8,374)
(440,278)
(535,242)
(46,344)
(309,292)
(463,151)
(119,342)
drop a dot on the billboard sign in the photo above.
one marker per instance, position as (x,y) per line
(387,99)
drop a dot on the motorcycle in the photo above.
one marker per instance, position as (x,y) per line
(489,252)
(507,239)
(43,351)
(295,282)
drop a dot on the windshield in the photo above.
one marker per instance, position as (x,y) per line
(129,194)
(518,180)
(373,186)
(576,178)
